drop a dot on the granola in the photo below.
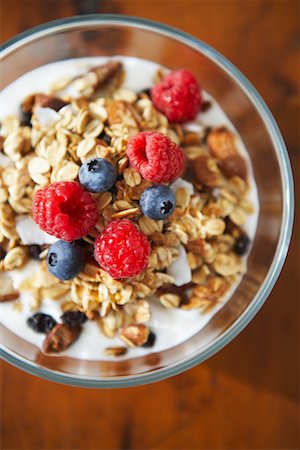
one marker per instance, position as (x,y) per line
(98,120)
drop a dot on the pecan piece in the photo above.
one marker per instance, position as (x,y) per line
(205,172)
(197,246)
(60,338)
(121,112)
(234,165)
(106,72)
(115,351)
(135,335)
(203,296)
(221,143)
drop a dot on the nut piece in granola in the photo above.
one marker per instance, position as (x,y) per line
(135,335)
(115,351)
(206,171)
(60,338)
(221,143)
(234,165)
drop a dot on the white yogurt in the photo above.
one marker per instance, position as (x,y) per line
(170,326)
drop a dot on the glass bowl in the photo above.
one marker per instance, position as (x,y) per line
(110,35)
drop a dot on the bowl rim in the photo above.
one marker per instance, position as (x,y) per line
(287,189)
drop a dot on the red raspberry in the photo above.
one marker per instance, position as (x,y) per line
(155,156)
(178,96)
(122,250)
(65,210)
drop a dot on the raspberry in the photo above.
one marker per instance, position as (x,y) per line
(155,156)
(177,96)
(65,210)
(122,250)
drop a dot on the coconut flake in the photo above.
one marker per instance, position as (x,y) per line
(30,233)
(180,269)
(180,183)
(46,116)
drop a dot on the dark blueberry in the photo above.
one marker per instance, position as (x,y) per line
(2,253)
(97,175)
(151,340)
(41,323)
(105,137)
(158,202)
(25,118)
(34,251)
(65,260)
(73,318)
(241,245)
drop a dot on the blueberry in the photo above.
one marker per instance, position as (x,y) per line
(241,245)
(73,318)
(158,202)
(65,260)
(41,323)
(97,175)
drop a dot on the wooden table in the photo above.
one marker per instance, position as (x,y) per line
(246,396)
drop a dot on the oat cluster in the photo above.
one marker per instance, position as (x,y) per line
(94,116)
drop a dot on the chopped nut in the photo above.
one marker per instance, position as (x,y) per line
(115,351)
(234,165)
(60,338)
(196,246)
(135,335)
(221,143)
(203,296)
(205,172)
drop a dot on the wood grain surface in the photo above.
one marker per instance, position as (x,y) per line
(246,397)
